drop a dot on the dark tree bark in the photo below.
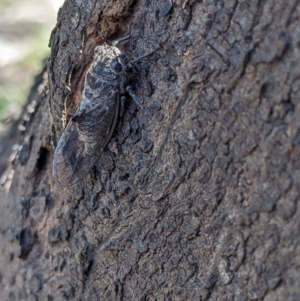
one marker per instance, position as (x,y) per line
(196,200)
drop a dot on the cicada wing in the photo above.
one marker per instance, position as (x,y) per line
(69,149)
(83,141)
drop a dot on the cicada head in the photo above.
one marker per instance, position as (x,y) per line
(109,63)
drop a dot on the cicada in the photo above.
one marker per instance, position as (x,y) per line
(92,125)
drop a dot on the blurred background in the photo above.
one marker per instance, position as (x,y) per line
(25,27)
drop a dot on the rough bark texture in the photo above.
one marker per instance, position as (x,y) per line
(195,201)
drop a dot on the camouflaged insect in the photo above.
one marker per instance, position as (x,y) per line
(93,123)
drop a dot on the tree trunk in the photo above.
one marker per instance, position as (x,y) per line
(195,196)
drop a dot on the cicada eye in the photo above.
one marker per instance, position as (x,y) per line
(97,49)
(116,66)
